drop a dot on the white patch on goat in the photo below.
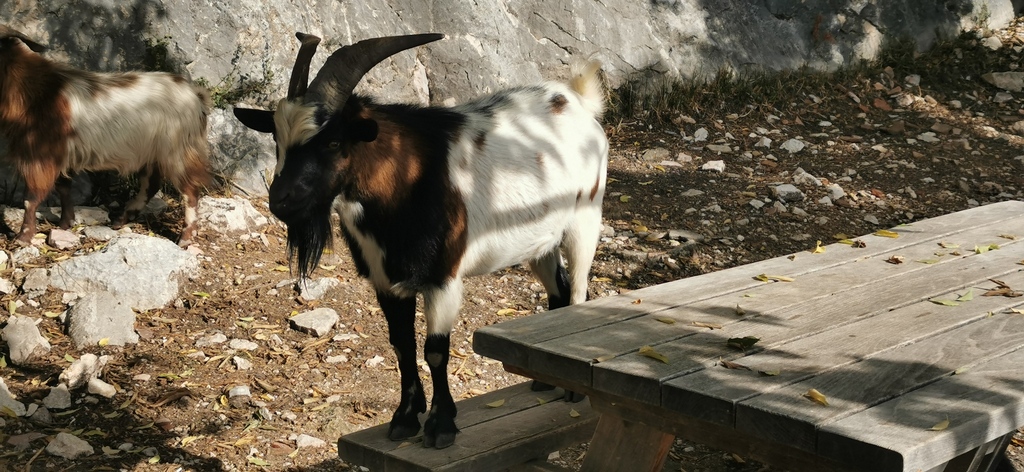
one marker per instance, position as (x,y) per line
(530,185)
(295,124)
(351,213)
(154,119)
(441,306)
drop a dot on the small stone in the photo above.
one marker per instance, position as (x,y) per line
(835,191)
(341,359)
(142,378)
(700,135)
(212,339)
(243,345)
(719,148)
(59,398)
(305,440)
(239,390)
(82,370)
(992,42)
(1002,97)
(23,339)
(62,239)
(99,233)
(714,166)
(316,289)
(871,219)
(928,137)
(6,286)
(41,416)
(656,154)
(1012,81)
(25,254)
(8,401)
(941,128)
(242,363)
(788,193)
(317,322)
(374,361)
(793,146)
(758,204)
(764,142)
(69,446)
(101,388)
(801,177)
(692,193)
(36,282)
(684,158)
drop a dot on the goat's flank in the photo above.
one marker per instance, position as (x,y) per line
(59,121)
(429,195)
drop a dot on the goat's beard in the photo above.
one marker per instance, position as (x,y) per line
(308,236)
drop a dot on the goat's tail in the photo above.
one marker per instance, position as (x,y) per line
(586,82)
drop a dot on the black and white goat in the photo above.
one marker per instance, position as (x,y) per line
(58,121)
(428,196)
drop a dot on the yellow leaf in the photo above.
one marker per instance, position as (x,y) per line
(1014,310)
(941,425)
(660,168)
(1008,236)
(50,314)
(840,236)
(247,319)
(224,400)
(961,370)
(113,415)
(886,233)
(69,358)
(605,357)
(817,397)
(155,459)
(3,362)
(12,306)
(637,301)
(573,413)
(818,248)
(769,373)
(945,302)
(624,198)
(541,401)
(649,351)
(506,311)
(281,268)
(649,182)
(701,324)
(946,245)
(496,404)
(257,461)
(601,279)
(967,296)
(769,278)
(848,242)
(104,342)
(201,294)
(665,320)
(110,451)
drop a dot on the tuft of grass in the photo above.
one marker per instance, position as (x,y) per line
(232,89)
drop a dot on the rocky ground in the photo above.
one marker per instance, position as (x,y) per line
(737,172)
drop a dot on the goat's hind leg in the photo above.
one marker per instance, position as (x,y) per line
(442,307)
(401,316)
(555,278)
(39,180)
(149,184)
(67,206)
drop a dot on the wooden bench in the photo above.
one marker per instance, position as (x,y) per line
(500,430)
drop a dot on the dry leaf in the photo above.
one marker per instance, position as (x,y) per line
(604,358)
(818,248)
(859,244)
(624,198)
(496,404)
(967,296)
(506,311)
(732,365)
(894,259)
(816,396)
(769,373)
(637,301)
(984,249)
(1008,236)
(701,324)
(573,413)
(665,320)
(769,278)
(945,302)
(848,242)
(941,425)
(649,351)
(929,261)
(886,233)
(743,343)
(946,245)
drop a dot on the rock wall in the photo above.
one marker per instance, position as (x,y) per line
(243,49)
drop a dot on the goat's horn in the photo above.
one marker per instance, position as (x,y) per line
(300,72)
(8,32)
(343,70)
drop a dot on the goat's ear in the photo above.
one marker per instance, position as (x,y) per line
(259,120)
(364,130)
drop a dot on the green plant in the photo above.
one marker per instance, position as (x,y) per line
(232,89)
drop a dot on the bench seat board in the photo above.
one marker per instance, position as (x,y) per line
(609,310)
(981,404)
(527,425)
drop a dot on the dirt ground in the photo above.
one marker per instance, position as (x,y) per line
(907,139)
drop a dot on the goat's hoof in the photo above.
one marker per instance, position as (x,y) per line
(399,431)
(439,433)
(538,386)
(573,397)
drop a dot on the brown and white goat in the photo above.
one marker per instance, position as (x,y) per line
(58,121)
(430,195)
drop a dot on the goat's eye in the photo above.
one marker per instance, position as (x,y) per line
(334,145)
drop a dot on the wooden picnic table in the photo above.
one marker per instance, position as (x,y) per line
(912,337)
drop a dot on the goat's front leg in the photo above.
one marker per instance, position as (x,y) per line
(401,316)
(67,206)
(39,180)
(442,307)
(149,184)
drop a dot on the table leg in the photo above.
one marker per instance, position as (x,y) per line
(626,446)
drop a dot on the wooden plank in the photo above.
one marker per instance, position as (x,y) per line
(780,313)
(981,405)
(712,394)
(785,415)
(371,447)
(509,341)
